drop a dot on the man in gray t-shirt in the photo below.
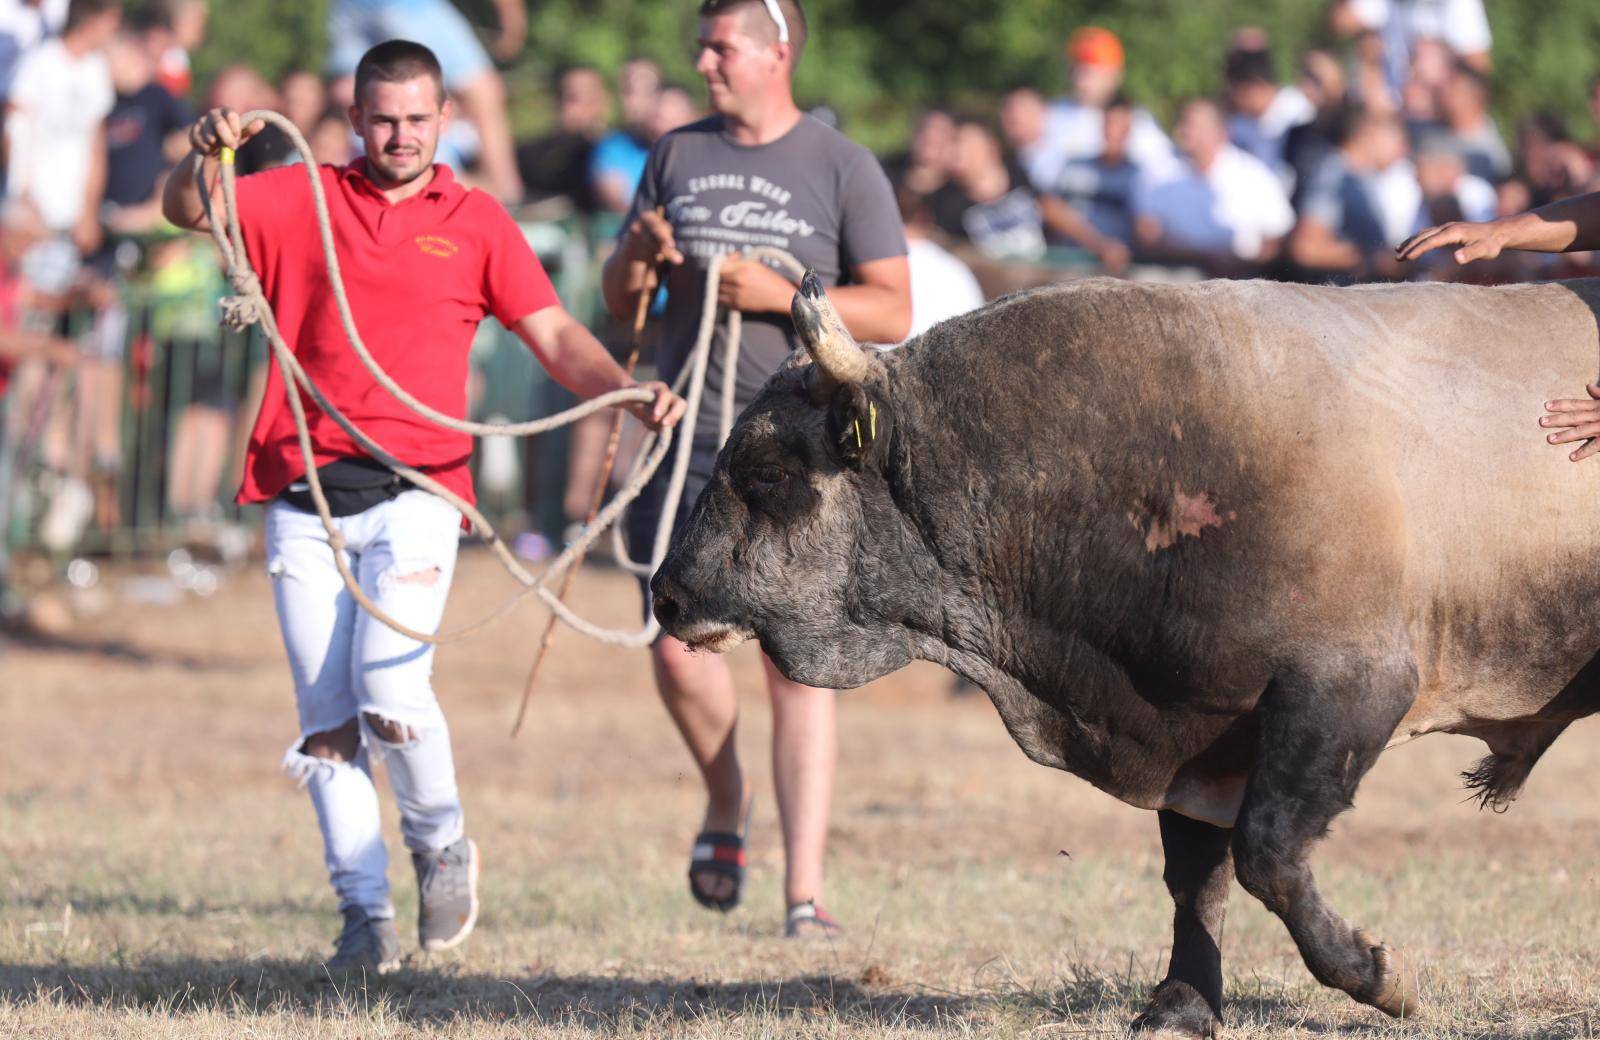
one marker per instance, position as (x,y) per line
(758,173)
(813,193)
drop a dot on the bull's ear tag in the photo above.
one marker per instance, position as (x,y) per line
(872,427)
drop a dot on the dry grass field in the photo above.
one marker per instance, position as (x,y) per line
(160,878)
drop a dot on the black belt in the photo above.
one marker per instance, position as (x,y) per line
(351,485)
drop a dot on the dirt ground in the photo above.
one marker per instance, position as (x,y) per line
(160,878)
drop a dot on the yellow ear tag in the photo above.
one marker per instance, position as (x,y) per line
(226,156)
(872,415)
(857,425)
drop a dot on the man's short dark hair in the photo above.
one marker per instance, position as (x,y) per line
(81,11)
(397,61)
(1251,66)
(793,13)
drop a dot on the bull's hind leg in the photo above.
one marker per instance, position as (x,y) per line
(1198,874)
(1318,735)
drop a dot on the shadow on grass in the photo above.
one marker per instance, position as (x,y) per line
(427,994)
(435,994)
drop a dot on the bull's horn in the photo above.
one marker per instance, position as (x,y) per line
(839,360)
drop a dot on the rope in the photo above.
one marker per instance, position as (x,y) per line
(249,306)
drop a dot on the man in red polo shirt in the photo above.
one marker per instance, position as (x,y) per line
(423,261)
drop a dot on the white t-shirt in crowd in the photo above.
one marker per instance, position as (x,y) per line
(1398,199)
(941,286)
(1073,131)
(1462,25)
(55,110)
(1234,207)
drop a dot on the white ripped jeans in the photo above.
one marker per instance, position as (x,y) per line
(347,665)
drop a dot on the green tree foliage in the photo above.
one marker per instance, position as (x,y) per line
(877,61)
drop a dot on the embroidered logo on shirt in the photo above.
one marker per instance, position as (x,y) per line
(434,245)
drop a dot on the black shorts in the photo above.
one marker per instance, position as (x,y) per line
(644,513)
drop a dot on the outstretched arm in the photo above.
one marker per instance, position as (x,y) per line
(578,362)
(1570,225)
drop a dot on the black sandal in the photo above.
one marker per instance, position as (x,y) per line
(721,853)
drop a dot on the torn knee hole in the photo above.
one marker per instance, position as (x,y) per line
(334,745)
(389,731)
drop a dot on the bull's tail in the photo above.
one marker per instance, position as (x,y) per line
(1497,780)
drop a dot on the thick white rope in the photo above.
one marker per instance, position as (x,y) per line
(249,305)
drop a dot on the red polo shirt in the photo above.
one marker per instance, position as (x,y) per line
(420,275)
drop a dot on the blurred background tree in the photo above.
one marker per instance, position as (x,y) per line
(876,62)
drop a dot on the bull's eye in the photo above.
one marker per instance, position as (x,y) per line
(769,476)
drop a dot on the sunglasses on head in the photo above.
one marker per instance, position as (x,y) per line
(777,16)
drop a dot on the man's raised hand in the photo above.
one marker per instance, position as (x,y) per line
(220,128)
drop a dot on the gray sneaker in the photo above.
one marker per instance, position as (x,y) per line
(447,894)
(366,944)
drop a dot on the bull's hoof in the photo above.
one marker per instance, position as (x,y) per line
(1177,1009)
(1394,988)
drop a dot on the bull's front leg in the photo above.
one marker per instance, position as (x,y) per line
(1198,873)
(1318,736)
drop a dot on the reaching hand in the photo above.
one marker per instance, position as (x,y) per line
(1577,421)
(1474,241)
(661,413)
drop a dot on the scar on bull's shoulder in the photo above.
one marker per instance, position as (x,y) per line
(1165,522)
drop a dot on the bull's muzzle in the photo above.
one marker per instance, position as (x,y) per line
(677,612)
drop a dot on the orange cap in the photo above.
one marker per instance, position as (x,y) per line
(1092,45)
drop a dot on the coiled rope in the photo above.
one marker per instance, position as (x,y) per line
(249,306)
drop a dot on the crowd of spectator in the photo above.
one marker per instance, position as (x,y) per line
(1384,131)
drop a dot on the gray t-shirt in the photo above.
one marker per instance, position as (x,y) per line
(813,193)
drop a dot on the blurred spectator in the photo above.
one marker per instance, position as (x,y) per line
(1449,192)
(241,88)
(1000,213)
(941,285)
(55,130)
(18,344)
(1397,26)
(1263,111)
(145,133)
(1023,115)
(354,26)
(1322,81)
(304,98)
(1075,124)
(1431,62)
(184,286)
(675,107)
(557,164)
(1464,104)
(618,160)
(182,29)
(925,166)
(1342,231)
(1553,165)
(23,25)
(330,139)
(1102,188)
(1225,208)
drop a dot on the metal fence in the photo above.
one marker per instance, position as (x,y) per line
(141,443)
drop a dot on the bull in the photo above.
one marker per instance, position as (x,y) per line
(1211,548)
